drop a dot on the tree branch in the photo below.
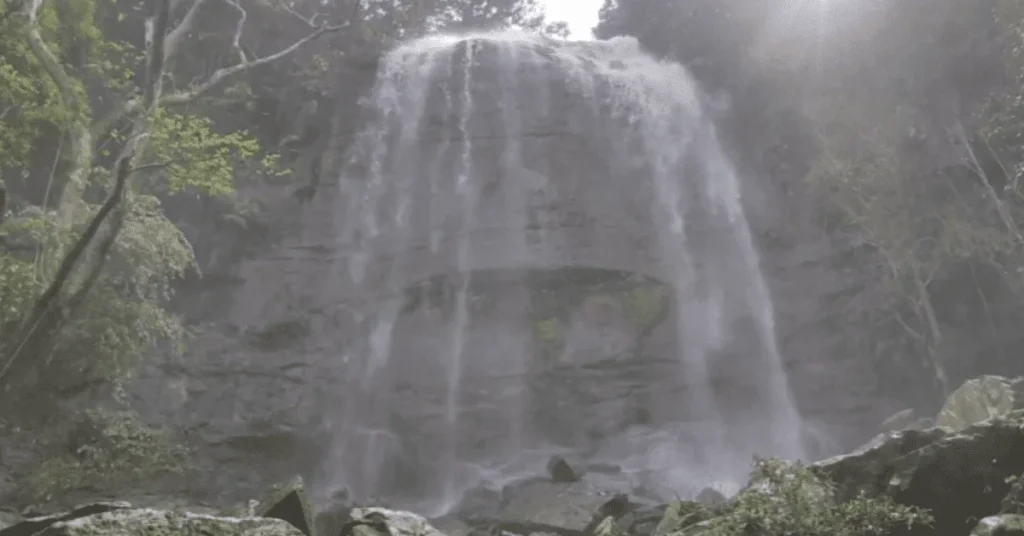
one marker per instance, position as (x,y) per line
(221,75)
(3,200)
(175,37)
(80,148)
(974,165)
(236,42)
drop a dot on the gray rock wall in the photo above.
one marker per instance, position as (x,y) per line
(272,373)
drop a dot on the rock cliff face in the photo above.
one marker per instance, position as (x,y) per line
(345,346)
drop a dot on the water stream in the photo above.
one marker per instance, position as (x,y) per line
(496,157)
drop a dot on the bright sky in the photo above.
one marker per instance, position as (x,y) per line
(580,14)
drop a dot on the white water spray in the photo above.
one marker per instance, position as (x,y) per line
(510,152)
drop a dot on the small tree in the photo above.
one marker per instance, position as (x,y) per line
(75,271)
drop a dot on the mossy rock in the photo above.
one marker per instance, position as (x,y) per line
(980,399)
(790,498)
(647,304)
(958,476)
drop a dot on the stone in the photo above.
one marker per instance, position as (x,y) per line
(333,515)
(608,527)
(615,508)
(1013,502)
(560,471)
(479,501)
(981,399)
(960,476)
(34,524)
(372,521)
(710,497)
(569,506)
(147,522)
(287,502)
(9,519)
(1000,525)
(646,519)
(899,420)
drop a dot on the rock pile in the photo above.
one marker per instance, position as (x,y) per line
(962,477)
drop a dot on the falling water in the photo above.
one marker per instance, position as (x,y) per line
(464,172)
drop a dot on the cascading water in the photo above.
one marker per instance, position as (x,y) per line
(494,158)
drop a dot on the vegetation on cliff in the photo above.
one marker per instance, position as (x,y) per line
(110,111)
(903,122)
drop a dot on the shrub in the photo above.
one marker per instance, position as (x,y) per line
(789,500)
(102,452)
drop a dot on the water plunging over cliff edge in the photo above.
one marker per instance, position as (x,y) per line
(519,223)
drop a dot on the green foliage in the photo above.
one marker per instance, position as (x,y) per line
(647,303)
(1002,115)
(200,158)
(549,331)
(682,514)
(789,500)
(18,287)
(125,317)
(104,452)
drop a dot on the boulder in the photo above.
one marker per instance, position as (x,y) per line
(1013,502)
(560,471)
(8,518)
(34,524)
(608,527)
(333,513)
(710,497)
(960,476)
(646,519)
(1001,525)
(384,522)
(287,502)
(899,420)
(981,399)
(135,522)
(571,506)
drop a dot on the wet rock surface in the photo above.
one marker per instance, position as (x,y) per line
(560,471)
(965,479)
(1000,525)
(253,391)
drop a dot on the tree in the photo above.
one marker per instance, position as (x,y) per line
(906,123)
(75,271)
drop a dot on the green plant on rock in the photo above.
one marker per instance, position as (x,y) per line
(103,452)
(647,303)
(789,500)
(682,514)
(549,337)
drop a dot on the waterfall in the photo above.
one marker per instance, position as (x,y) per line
(494,161)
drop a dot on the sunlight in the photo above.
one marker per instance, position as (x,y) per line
(581,15)
(799,34)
